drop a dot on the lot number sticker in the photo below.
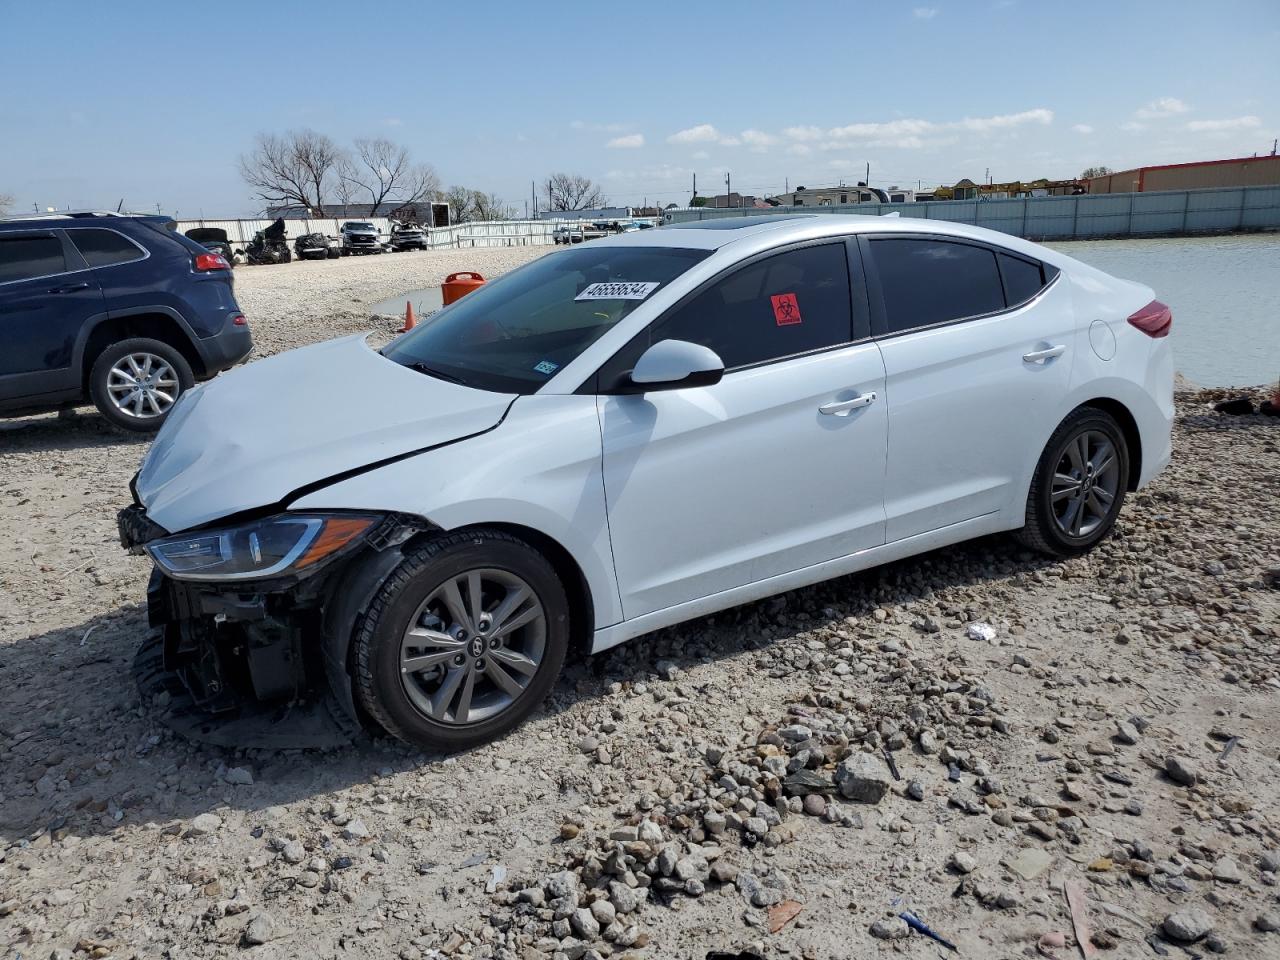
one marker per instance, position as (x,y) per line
(786,310)
(618,290)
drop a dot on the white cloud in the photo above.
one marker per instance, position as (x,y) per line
(912,133)
(758,138)
(630,142)
(1003,121)
(1162,107)
(702,133)
(1082,128)
(924,13)
(701,155)
(799,150)
(803,133)
(1222,126)
(393,122)
(1133,127)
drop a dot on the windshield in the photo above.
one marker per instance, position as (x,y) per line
(514,333)
(359,226)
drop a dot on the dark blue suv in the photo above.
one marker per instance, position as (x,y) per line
(120,310)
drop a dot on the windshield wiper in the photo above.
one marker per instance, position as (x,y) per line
(433,372)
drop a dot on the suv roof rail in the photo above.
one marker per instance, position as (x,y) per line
(72,215)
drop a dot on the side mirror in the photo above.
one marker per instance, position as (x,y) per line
(675,364)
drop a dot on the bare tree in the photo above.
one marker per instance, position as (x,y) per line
(488,206)
(461,204)
(1091,172)
(6,201)
(570,191)
(381,170)
(297,167)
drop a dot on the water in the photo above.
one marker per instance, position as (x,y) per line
(1224,291)
(1225,296)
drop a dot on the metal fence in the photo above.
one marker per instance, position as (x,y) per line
(1166,213)
(504,233)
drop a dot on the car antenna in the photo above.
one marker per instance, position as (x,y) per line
(120,205)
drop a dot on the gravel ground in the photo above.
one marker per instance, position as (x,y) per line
(1106,726)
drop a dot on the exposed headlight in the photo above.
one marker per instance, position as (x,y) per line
(274,546)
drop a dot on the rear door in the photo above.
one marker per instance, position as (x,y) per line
(777,467)
(47,294)
(977,344)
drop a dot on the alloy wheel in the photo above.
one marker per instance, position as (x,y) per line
(142,385)
(1086,482)
(473,646)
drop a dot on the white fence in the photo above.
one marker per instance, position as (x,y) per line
(502,233)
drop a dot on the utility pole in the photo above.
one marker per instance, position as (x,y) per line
(728,190)
(867,181)
(533,195)
(695,190)
(786,184)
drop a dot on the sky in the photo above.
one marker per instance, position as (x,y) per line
(152,103)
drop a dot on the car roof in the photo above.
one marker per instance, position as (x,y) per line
(74,218)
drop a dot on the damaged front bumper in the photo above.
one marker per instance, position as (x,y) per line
(260,662)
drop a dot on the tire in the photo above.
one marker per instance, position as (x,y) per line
(402,703)
(333,254)
(286,255)
(1080,516)
(109,380)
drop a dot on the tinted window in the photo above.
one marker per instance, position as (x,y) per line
(783,305)
(932,281)
(22,258)
(1022,279)
(103,248)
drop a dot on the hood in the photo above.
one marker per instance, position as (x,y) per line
(254,435)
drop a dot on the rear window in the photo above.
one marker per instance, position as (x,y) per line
(104,248)
(926,281)
(25,258)
(1023,279)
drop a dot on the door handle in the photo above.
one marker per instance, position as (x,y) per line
(842,408)
(70,288)
(1048,353)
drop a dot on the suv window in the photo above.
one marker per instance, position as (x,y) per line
(24,258)
(1023,279)
(786,304)
(104,248)
(926,281)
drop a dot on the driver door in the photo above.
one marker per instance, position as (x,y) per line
(777,467)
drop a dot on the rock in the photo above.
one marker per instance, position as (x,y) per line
(355,830)
(584,924)
(1180,771)
(293,852)
(625,899)
(862,778)
(755,892)
(1126,732)
(815,805)
(984,632)
(802,783)
(1268,922)
(962,862)
(666,669)
(260,929)
(1029,862)
(890,928)
(562,884)
(915,790)
(1269,862)
(713,822)
(650,833)
(203,825)
(1187,926)
(1227,870)
(239,776)
(604,912)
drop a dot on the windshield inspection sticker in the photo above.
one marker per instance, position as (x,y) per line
(546,366)
(786,310)
(617,290)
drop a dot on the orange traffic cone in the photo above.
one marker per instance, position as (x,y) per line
(410,321)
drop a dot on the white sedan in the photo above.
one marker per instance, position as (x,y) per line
(632,433)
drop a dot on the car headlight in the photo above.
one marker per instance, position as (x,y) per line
(285,544)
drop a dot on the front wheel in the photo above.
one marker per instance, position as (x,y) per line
(136,382)
(462,641)
(1079,485)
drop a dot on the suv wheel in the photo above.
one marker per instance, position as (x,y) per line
(462,642)
(1079,485)
(135,383)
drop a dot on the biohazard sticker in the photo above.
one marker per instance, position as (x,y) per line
(786,310)
(618,290)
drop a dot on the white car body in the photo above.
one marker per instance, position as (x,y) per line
(679,503)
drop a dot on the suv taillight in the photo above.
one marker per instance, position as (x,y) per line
(211,261)
(1154,319)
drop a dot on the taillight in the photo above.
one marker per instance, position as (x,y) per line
(1154,319)
(239,320)
(211,261)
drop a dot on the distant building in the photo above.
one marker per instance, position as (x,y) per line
(734,199)
(966,189)
(1240,172)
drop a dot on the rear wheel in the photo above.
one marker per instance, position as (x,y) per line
(462,641)
(1079,485)
(135,383)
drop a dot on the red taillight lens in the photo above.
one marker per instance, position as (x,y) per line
(1154,319)
(239,320)
(211,261)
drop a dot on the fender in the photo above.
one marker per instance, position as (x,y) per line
(82,340)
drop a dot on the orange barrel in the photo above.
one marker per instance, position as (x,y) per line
(458,285)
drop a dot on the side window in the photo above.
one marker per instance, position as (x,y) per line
(786,304)
(926,281)
(104,248)
(23,258)
(1023,279)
